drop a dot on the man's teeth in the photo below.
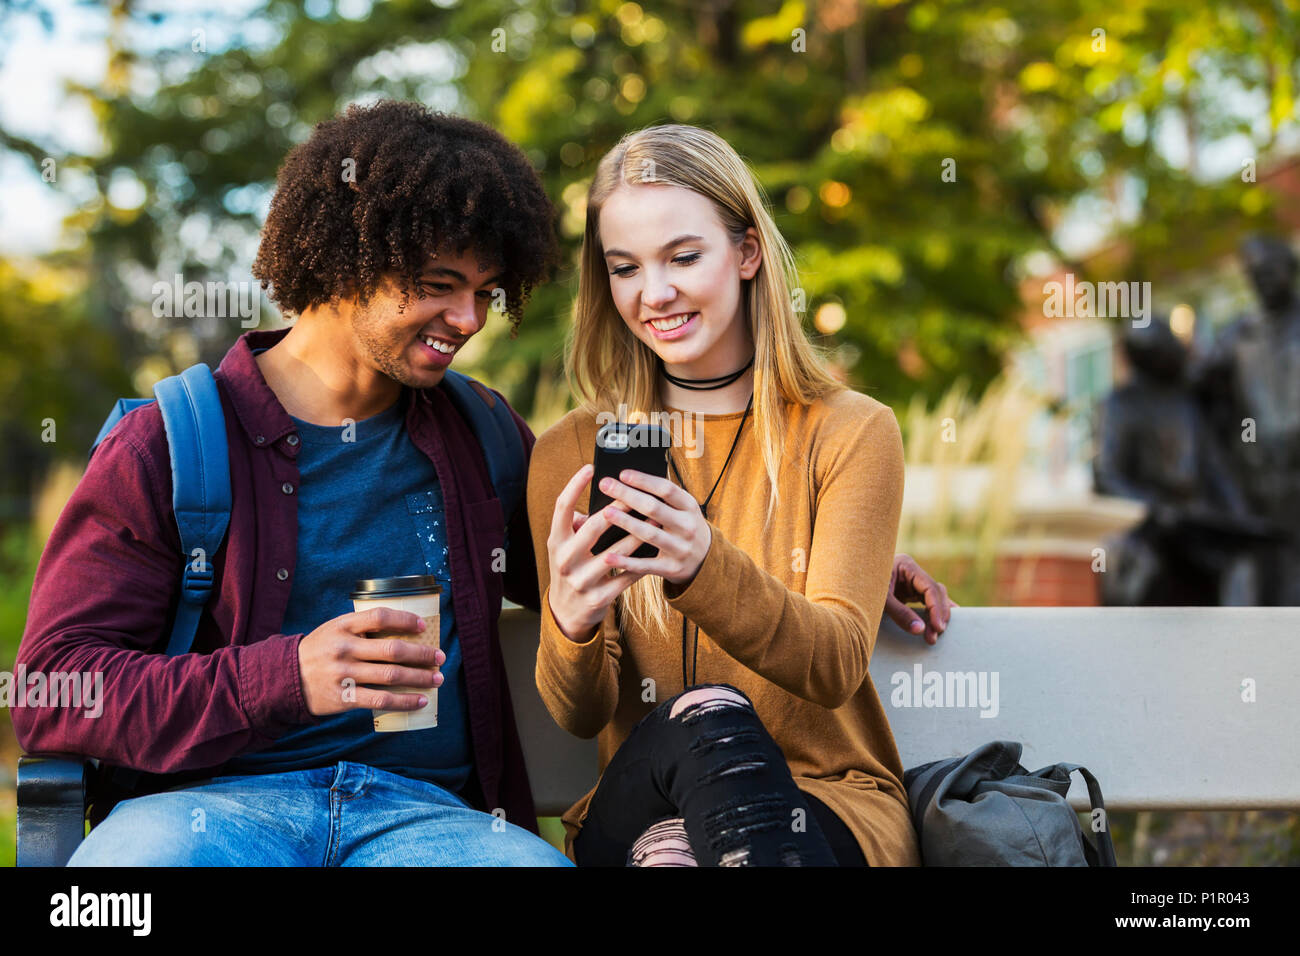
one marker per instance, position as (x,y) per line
(440,346)
(667,325)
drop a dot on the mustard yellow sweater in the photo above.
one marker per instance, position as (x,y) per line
(787,613)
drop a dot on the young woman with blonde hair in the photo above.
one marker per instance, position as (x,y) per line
(726,677)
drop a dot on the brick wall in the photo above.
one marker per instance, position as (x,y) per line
(1046,581)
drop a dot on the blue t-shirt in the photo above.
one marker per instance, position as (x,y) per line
(369,506)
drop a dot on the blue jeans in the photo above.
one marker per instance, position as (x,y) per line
(349,814)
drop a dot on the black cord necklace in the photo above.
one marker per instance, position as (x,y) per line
(704,510)
(706,384)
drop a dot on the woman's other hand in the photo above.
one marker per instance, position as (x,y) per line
(910,583)
(581,586)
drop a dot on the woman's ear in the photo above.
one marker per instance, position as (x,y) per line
(751,254)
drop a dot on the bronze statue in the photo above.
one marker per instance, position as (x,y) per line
(1249,384)
(1198,543)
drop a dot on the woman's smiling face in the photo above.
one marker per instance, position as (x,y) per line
(675,276)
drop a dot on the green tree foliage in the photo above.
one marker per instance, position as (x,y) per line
(59,375)
(914,152)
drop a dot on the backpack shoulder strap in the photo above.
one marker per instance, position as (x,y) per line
(201,499)
(200,466)
(495,428)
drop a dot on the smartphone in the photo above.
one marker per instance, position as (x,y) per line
(619,446)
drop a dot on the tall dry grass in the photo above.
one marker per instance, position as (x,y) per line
(979,441)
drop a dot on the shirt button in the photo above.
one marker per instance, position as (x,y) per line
(292,439)
(282,574)
(260,439)
(287,488)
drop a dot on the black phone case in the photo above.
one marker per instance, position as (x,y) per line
(620,445)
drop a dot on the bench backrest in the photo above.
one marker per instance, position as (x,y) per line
(1171,708)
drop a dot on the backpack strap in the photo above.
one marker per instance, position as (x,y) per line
(497,434)
(201,499)
(1103,852)
(200,463)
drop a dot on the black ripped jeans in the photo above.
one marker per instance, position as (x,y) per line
(716,767)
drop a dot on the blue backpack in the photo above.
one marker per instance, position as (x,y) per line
(200,463)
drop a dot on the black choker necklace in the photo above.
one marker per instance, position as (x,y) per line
(706,384)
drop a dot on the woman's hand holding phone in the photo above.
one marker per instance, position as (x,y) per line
(581,585)
(674,525)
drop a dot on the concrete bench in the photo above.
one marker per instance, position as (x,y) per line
(1171,708)
(1149,699)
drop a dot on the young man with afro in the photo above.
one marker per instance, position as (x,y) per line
(390,233)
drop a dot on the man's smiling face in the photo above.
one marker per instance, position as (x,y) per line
(415,346)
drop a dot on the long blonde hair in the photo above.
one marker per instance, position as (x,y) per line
(608,367)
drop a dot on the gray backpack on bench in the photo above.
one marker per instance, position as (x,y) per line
(984,809)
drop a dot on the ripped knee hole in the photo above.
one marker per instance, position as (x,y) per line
(663,844)
(705,700)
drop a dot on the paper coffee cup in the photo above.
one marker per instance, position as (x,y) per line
(419,594)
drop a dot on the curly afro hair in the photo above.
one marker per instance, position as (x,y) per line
(375,192)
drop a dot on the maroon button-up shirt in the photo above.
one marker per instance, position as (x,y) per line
(109,581)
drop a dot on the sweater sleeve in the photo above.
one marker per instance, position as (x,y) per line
(817,644)
(577,682)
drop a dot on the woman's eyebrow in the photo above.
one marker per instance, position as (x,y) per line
(664,248)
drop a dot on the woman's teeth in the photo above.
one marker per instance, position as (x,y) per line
(667,325)
(440,346)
